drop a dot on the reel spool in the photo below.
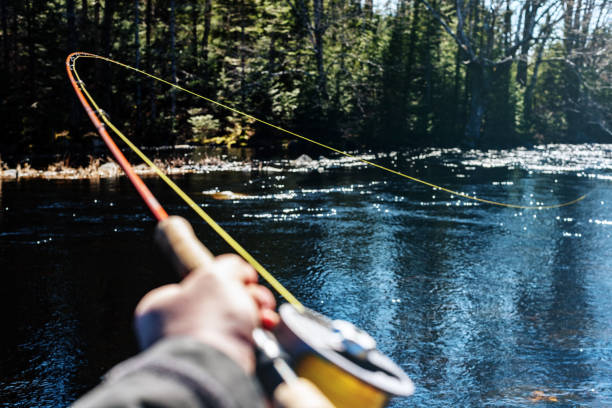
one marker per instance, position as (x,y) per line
(340,359)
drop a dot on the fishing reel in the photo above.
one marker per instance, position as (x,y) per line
(341,360)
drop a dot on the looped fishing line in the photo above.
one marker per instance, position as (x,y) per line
(98,113)
(432,185)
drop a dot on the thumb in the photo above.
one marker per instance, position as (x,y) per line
(149,316)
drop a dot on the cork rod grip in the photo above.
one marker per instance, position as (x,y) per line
(175,237)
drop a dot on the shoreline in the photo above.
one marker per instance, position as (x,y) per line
(99,168)
(187,160)
(107,168)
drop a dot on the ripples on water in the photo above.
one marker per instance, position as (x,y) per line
(481,305)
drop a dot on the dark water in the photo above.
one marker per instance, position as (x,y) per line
(481,305)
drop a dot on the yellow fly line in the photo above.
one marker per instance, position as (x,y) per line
(216,227)
(432,185)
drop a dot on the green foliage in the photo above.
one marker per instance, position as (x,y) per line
(340,71)
(203,126)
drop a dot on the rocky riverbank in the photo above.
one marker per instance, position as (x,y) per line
(106,167)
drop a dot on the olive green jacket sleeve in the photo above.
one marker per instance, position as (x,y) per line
(176,372)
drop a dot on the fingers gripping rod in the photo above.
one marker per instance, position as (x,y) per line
(176,238)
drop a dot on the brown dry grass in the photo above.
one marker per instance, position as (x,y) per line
(97,168)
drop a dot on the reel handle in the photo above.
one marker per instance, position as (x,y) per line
(176,238)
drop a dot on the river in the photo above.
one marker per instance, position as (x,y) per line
(481,305)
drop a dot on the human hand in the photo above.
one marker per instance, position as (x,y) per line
(219,305)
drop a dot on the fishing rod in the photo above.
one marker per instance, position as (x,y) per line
(342,361)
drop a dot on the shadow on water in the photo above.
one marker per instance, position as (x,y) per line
(481,305)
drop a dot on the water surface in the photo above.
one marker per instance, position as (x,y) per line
(481,305)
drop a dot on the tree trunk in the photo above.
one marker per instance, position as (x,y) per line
(528,96)
(194,33)
(97,31)
(457,88)
(318,35)
(368,9)
(173,68)
(499,109)
(477,104)
(570,73)
(414,27)
(499,126)
(137,45)
(137,32)
(521,67)
(107,28)
(84,18)
(529,89)
(241,54)
(148,23)
(148,61)
(72,34)
(30,19)
(5,46)
(207,26)
(567,25)
(339,78)
(14,34)
(426,102)
(572,93)
(72,46)
(395,94)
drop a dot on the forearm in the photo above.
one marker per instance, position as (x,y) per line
(176,372)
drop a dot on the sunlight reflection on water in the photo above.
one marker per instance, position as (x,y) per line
(481,305)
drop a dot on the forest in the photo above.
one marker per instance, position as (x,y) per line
(355,73)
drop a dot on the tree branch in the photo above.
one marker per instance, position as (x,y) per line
(465,45)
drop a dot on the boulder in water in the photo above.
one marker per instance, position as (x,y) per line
(303,160)
(109,169)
